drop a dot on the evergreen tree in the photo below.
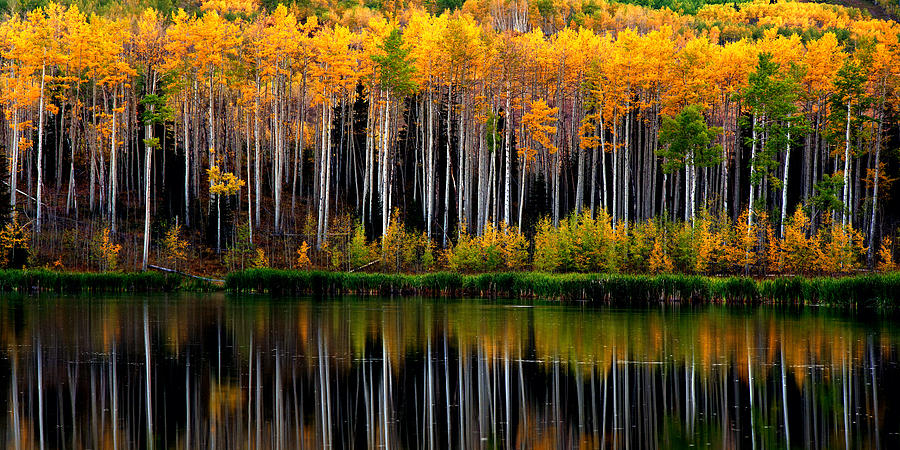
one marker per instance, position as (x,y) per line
(687,143)
(395,69)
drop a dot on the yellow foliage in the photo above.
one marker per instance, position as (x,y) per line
(547,256)
(660,262)
(708,244)
(229,6)
(799,253)
(886,256)
(13,245)
(404,250)
(303,261)
(503,248)
(260,260)
(774,259)
(223,183)
(740,243)
(359,251)
(173,247)
(105,251)
(840,247)
(539,122)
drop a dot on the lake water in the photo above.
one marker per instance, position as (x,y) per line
(250,372)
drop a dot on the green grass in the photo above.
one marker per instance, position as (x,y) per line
(42,280)
(877,291)
(864,291)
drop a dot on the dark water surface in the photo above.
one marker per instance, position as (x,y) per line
(255,373)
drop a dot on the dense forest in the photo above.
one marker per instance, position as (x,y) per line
(702,137)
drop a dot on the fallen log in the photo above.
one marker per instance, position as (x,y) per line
(167,270)
(364,266)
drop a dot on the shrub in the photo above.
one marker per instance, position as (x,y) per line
(13,245)
(839,248)
(503,248)
(260,260)
(547,247)
(303,256)
(359,251)
(173,247)
(104,251)
(886,256)
(404,250)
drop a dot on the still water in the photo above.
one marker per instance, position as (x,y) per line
(213,371)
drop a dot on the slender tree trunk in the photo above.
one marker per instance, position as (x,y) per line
(846,194)
(59,146)
(723,181)
(14,163)
(447,171)
(70,197)
(218,224)
(522,190)
(324,167)
(594,163)
(211,151)
(870,254)
(605,198)
(187,167)
(507,185)
(430,158)
(249,186)
(784,180)
(148,159)
(278,157)
(328,163)
(752,169)
(298,151)
(615,173)
(385,165)
(579,185)
(113,167)
(688,188)
(626,169)
(40,154)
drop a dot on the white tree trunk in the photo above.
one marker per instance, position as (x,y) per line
(256,171)
(846,196)
(218,224)
(752,169)
(784,179)
(626,171)
(14,163)
(579,185)
(249,186)
(278,162)
(870,256)
(507,184)
(615,175)
(430,164)
(148,160)
(187,167)
(40,153)
(113,168)
(447,171)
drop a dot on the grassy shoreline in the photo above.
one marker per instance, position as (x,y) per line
(861,291)
(867,291)
(29,281)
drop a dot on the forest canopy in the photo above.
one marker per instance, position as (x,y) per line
(259,129)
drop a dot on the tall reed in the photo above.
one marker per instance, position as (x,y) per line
(860,291)
(42,280)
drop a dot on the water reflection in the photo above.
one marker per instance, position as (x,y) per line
(211,372)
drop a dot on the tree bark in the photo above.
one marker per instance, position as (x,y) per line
(40,153)
(870,254)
